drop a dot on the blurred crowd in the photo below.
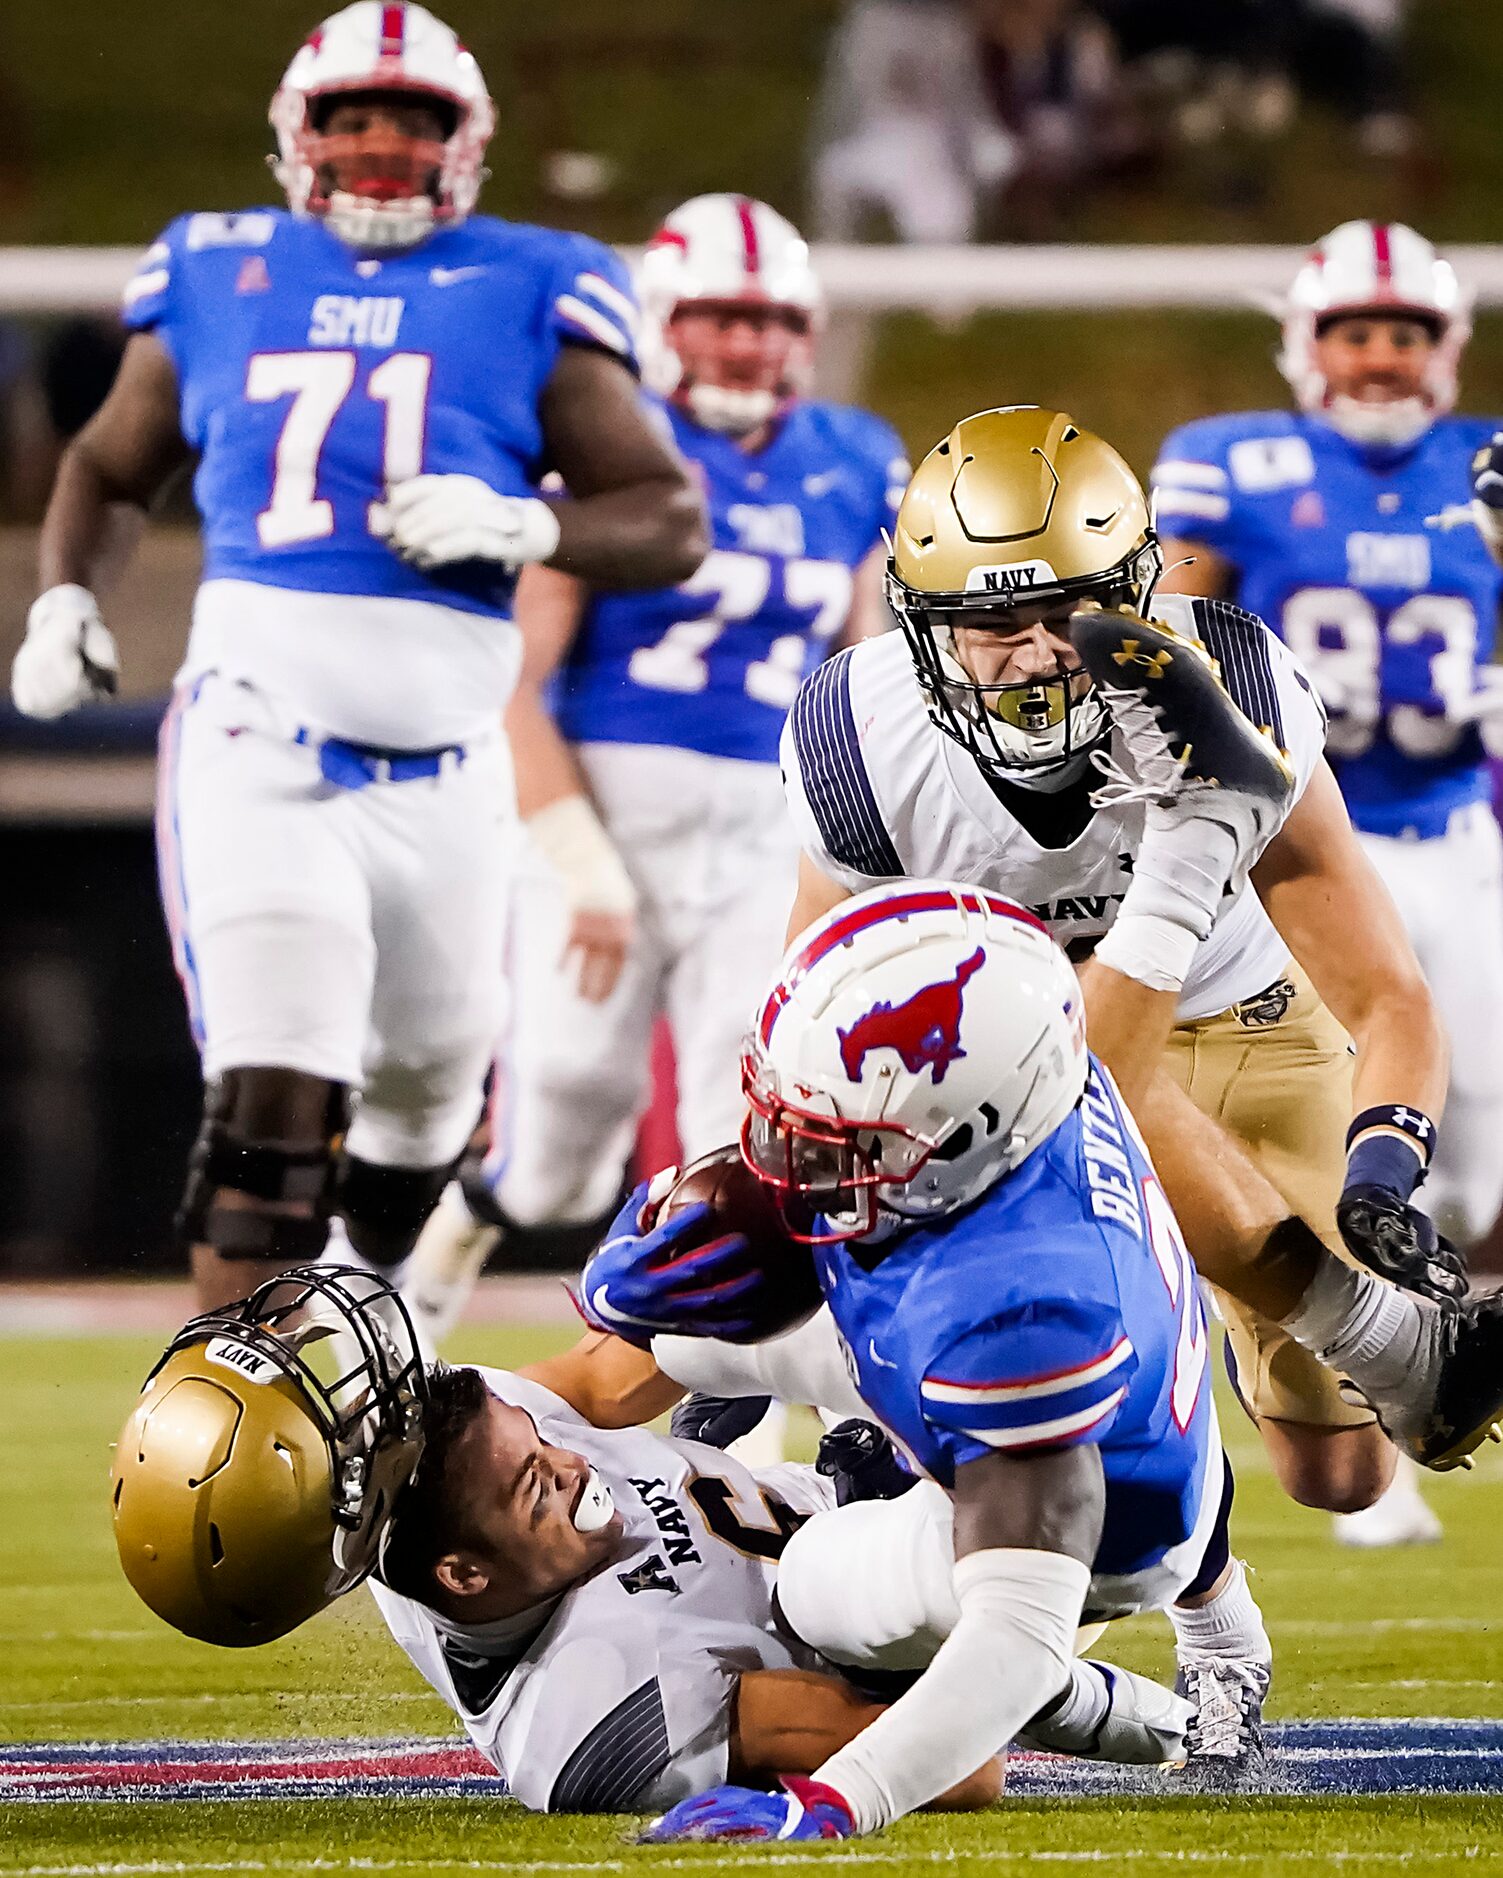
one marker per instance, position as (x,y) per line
(957,120)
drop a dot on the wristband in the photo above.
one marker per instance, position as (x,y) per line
(1389,1146)
(569,834)
(1395,1118)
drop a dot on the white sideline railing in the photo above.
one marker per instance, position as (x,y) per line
(877,279)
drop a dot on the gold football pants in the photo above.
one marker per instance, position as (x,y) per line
(1276,1073)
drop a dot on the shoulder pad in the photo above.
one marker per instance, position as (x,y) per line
(833,772)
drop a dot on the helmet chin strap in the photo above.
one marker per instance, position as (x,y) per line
(362,223)
(731,413)
(1404,420)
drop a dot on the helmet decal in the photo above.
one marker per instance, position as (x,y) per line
(923,1029)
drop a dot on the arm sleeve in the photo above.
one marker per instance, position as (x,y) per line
(1266,681)
(1192,490)
(594,303)
(1051,1374)
(825,783)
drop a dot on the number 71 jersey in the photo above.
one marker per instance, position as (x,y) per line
(311,377)
(1366,563)
(713,665)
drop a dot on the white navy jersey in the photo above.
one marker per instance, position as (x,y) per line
(879,793)
(620,1699)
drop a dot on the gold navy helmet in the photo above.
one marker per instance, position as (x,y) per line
(1018,518)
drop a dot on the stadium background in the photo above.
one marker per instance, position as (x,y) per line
(114,127)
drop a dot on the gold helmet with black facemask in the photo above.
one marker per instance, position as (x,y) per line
(1019,514)
(254,1480)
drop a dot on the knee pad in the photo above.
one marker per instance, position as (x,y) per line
(279,1174)
(385,1208)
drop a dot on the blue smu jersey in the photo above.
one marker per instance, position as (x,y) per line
(1062,1308)
(713,665)
(310,377)
(1353,555)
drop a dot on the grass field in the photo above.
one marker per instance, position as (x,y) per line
(1410,1634)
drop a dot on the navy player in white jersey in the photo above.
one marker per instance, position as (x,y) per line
(1345,526)
(373,380)
(1016,1306)
(645,729)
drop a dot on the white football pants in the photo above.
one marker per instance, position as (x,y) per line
(1449,892)
(709,847)
(351,934)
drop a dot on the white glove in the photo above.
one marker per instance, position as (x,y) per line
(67,657)
(434,520)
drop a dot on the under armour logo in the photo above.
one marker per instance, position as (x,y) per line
(1413,1124)
(1156,663)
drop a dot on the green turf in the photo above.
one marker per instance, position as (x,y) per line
(1411,1633)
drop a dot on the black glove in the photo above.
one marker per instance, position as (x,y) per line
(1487,472)
(717,1420)
(863,1463)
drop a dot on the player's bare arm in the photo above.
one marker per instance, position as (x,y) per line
(868,615)
(611,1383)
(1191,567)
(790,1721)
(553,796)
(633,519)
(1325,897)
(815,896)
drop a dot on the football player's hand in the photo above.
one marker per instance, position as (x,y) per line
(1487,473)
(596,950)
(433,521)
(805,1809)
(1386,1235)
(651,1279)
(67,657)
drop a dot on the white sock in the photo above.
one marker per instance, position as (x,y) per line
(1081,1710)
(1229,1628)
(1370,1331)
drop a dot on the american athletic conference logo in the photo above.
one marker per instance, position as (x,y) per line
(923,1029)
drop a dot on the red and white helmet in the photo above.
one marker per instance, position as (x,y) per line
(920,1042)
(1375,268)
(396,49)
(724,251)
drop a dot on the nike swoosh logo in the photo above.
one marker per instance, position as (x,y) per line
(880,1361)
(446,276)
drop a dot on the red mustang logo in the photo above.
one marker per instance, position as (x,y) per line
(923,1029)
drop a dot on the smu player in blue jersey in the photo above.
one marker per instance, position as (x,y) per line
(373,382)
(1015,1304)
(646,730)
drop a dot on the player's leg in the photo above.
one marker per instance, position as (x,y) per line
(1449,892)
(269,918)
(440,855)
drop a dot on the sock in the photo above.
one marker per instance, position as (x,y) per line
(1229,1628)
(1075,1717)
(1370,1331)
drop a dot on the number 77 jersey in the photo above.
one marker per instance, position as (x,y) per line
(713,665)
(1365,562)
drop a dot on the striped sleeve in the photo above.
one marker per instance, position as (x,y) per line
(830,794)
(146,299)
(621,1757)
(1245,650)
(594,304)
(1191,489)
(1052,1374)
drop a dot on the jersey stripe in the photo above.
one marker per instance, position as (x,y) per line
(591,321)
(1172,501)
(1190,475)
(834,773)
(937,1389)
(617,1758)
(1062,1428)
(611,298)
(1242,646)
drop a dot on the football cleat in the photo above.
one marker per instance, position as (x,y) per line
(1458,1402)
(1192,751)
(1224,1747)
(1400,1243)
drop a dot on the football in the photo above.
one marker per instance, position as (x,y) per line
(739,1202)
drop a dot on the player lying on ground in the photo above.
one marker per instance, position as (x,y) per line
(372,378)
(645,734)
(597,1608)
(1231,912)
(1016,1305)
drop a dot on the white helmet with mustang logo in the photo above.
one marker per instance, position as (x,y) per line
(396,188)
(1383,270)
(724,254)
(921,1042)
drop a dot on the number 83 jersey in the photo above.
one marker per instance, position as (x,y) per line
(1365,562)
(713,665)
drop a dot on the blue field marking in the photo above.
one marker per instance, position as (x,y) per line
(1314,1758)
